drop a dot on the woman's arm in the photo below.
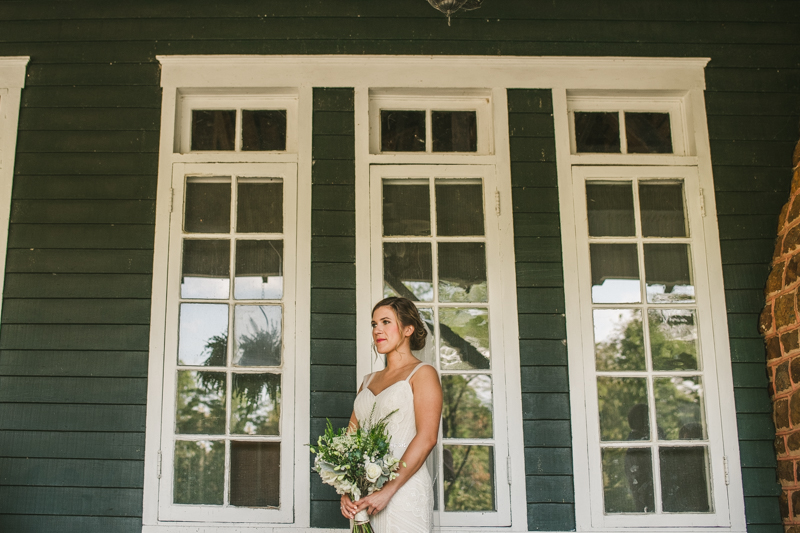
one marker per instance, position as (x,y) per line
(428,413)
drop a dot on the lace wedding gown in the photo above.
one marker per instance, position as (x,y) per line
(410,509)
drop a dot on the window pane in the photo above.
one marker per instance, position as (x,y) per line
(628,480)
(402,131)
(256,404)
(684,480)
(459,207)
(454,131)
(208,207)
(259,270)
(465,339)
(468,477)
(679,408)
(258,337)
(615,273)
(668,274)
(426,314)
(206,269)
(203,334)
(624,412)
(200,408)
(264,130)
(597,132)
(618,339)
(662,210)
(467,409)
(255,474)
(648,133)
(406,207)
(199,472)
(213,130)
(408,270)
(259,207)
(673,339)
(610,209)
(462,272)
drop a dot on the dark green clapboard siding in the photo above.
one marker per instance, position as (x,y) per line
(333,296)
(542,326)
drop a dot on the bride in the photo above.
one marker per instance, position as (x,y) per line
(413,389)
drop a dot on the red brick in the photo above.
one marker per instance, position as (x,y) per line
(765,320)
(773,347)
(780,446)
(790,341)
(784,311)
(793,441)
(792,269)
(791,241)
(775,280)
(781,413)
(786,470)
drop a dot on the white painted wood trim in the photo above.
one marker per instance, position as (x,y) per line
(12,80)
(255,528)
(363,220)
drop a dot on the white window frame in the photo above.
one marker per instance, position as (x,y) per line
(691,164)
(12,81)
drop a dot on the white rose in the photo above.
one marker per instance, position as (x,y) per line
(373,472)
(328,476)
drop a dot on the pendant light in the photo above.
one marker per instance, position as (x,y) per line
(448,7)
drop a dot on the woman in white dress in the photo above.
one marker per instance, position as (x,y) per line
(405,504)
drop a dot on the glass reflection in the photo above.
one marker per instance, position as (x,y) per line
(459,207)
(203,334)
(258,337)
(264,130)
(618,339)
(609,207)
(673,339)
(624,411)
(467,406)
(662,209)
(679,408)
(255,474)
(213,129)
(454,131)
(259,270)
(406,207)
(206,269)
(667,273)
(615,273)
(256,404)
(408,270)
(200,400)
(464,335)
(208,206)
(462,272)
(199,472)
(259,206)
(597,132)
(426,314)
(648,133)
(628,480)
(468,477)
(684,480)
(402,131)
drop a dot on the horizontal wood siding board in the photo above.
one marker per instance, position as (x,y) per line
(66,187)
(30,472)
(72,311)
(81,236)
(74,501)
(73,390)
(73,445)
(83,211)
(52,285)
(116,364)
(74,337)
(69,524)
(72,417)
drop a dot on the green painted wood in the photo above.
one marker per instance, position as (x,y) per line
(736,252)
(760,482)
(92,236)
(747,351)
(533,174)
(534,352)
(87,141)
(545,379)
(750,375)
(333,223)
(540,300)
(529,101)
(84,188)
(747,226)
(106,119)
(326,514)
(92,97)
(65,417)
(532,149)
(547,433)
(542,326)
(74,337)
(767,80)
(750,178)
(77,74)
(333,147)
(747,276)
(333,249)
(752,400)
(333,122)
(28,472)
(755,427)
(318,427)
(537,249)
(758,153)
(531,125)
(334,301)
(332,404)
(69,524)
(325,326)
(535,200)
(334,99)
(738,102)
(73,390)
(48,285)
(72,311)
(550,489)
(757,453)
(83,211)
(333,352)
(749,128)
(333,378)
(539,275)
(743,325)
(73,445)
(545,406)
(548,461)
(71,501)
(333,172)
(765,528)
(750,203)
(333,198)
(321,491)
(551,517)
(80,261)
(761,510)
(73,363)
(333,276)
(744,301)
(121,164)
(536,225)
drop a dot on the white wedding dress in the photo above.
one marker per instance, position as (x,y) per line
(411,508)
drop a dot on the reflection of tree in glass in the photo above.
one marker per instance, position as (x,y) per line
(217,349)
(468,478)
(616,398)
(200,403)
(256,404)
(679,407)
(263,346)
(624,349)
(464,413)
(673,337)
(199,472)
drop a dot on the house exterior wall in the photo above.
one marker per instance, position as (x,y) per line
(76,309)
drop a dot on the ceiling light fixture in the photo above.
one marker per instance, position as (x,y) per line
(448,7)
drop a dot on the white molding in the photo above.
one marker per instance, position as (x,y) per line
(12,80)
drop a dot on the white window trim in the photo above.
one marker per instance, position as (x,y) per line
(588,504)
(12,81)
(429,73)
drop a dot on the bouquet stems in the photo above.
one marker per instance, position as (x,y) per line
(361,522)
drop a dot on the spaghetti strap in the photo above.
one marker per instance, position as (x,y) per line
(415,370)
(367,380)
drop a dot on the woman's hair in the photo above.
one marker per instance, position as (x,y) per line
(407,315)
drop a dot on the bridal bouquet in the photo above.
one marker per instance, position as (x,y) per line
(356,463)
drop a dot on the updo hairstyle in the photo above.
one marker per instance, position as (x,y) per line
(407,315)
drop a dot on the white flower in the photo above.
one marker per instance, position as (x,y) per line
(373,472)
(328,475)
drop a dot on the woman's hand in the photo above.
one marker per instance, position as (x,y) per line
(349,508)
(375,502)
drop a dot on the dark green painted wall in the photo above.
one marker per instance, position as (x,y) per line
(74,337)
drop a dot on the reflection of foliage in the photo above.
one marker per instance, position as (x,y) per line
(217,349)
(617,491)
(263,346)
(465,338)
(469,480)
(672,339)
(464,414)
(200,403)
(679,407)
(199,472)
(256,404)
(462,292)
(625,349)
(616,398)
